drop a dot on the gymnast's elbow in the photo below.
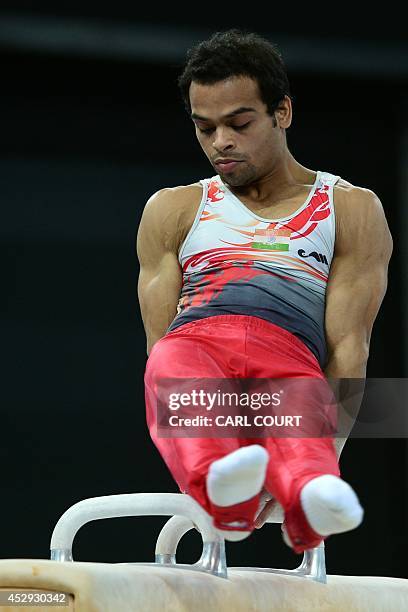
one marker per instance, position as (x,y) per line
(348,358)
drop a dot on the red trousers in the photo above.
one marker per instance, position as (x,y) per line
(238,346)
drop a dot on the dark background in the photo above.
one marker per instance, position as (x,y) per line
(90,126)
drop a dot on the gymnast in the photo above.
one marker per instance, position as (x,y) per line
(266,270)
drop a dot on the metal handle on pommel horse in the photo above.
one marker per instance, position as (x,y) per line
(141,504)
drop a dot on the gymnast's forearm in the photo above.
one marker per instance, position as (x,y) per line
(346,372)
(158,311)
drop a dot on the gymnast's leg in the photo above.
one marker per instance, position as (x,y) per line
(224,475)
(303,474)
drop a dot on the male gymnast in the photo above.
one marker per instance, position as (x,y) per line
(265,270)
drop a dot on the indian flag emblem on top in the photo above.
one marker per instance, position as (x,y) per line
(272,239)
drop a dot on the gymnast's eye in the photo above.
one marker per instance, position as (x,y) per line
(206,130)
(234,127)
(241,127)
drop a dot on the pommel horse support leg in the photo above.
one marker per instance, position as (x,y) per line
(205,585)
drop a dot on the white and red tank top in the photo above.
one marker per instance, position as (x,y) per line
(236,262)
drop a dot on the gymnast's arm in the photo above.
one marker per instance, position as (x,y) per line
(160,277)
(356,288)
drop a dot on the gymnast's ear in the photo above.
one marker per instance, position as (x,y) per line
(283,113)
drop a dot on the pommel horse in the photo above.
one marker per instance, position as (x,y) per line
(208,584)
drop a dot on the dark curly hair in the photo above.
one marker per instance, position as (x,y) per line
(236,53)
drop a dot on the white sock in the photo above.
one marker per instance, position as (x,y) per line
(236,478)
(330,505)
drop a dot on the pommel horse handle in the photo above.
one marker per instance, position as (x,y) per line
(313,566)
(141,504)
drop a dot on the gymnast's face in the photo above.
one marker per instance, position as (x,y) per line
(233,126)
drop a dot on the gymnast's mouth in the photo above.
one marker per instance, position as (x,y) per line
(227,165)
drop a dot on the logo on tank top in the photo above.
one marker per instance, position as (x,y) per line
(271,239)
(318,256)
(214,192)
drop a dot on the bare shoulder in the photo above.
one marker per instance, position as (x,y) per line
(359,213)
(356,201)
(176,197)
(171,211)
